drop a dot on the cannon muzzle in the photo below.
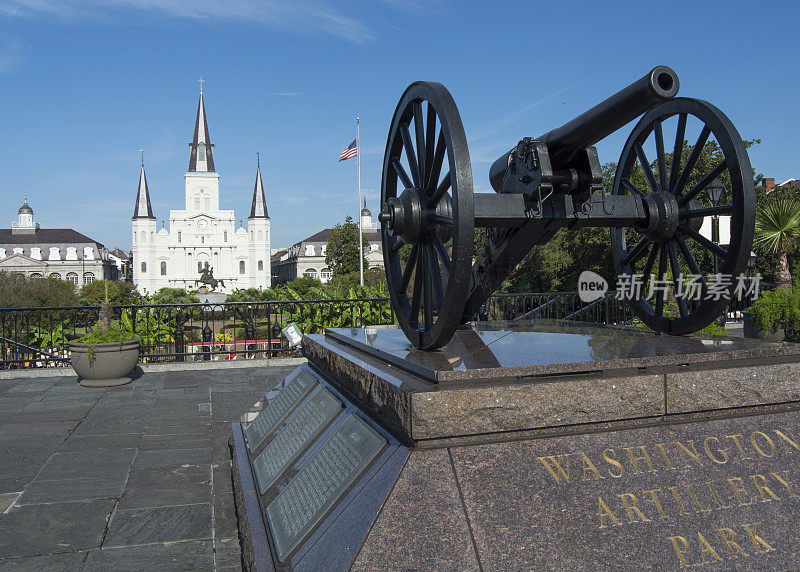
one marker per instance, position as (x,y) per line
(563,143)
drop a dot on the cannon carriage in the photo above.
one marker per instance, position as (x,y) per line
(654,210)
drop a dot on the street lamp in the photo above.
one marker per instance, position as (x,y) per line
(715,190)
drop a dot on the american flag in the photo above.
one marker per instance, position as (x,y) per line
(349,152)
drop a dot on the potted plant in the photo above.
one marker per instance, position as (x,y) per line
(772,311)
(106,356)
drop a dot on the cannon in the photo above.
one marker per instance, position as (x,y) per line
(654,210)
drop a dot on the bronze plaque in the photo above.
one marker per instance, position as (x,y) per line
(317,487)
(287,399)
(293,438)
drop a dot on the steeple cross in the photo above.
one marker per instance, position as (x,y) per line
(201,81)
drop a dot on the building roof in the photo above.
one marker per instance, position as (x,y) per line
(258,209)
(142,208)
(25,208)
(201,135)
(121,254)
(46,236)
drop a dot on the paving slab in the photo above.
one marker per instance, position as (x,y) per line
(165,486)
(67,562)
(112,463)
(84,489)
(186,555)
(59,527)
(164,524)
(173,457)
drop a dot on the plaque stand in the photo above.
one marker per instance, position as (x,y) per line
(524,448)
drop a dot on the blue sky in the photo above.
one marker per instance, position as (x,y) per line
(87,83)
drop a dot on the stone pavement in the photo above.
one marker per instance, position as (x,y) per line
(130,478)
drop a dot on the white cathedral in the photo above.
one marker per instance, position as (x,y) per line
(202,240)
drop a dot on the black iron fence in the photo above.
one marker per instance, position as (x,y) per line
(39,337)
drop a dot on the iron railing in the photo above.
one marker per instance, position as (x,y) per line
(39,337)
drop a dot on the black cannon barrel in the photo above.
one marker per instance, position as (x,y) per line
(660,84)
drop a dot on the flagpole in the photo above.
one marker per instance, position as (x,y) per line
(360,231)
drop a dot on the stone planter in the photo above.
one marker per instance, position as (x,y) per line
(112,363)
(751,330)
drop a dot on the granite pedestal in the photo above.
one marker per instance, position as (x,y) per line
(525,447)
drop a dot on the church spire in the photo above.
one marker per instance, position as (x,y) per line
(143,208)
(259,207)
(202,155)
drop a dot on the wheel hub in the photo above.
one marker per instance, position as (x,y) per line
(662,221)
(409,217)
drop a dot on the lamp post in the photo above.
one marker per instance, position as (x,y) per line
(715,190)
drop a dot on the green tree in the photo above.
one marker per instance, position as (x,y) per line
(118,293)
(173,296)
(17,291)
(778,229)
(252,295)
(342,252)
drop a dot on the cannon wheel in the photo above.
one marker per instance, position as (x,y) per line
(428,276)
(682,249)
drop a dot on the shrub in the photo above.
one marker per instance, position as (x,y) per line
(774,309)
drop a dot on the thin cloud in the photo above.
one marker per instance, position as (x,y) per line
(11,57)
(310,16)
(496,126)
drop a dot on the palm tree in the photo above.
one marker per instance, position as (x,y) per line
(778,227)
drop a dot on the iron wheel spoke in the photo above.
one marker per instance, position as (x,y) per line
(436,277)
(691,262)
(413,162)
(677,151)
(440,191)
(633,189)
(651,259)
(417,294)
(662,270)
(692,160)
(662,158)
(703,241)
(428,295)
(430,143)
(441,251)
(401,172)
(419,128)
(438,159)
(636,252)
(676,271)
(708,211)
(399,243)
(412,260)
(704,182)
(441,220)
(648,171)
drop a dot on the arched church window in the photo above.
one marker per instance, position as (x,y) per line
(241,267)
(144,236)
(202,240)
(260,236)
(144,267)
(225,236)
(197,202)
(260,265)
(206,202)
(201,151)
(199,266)
(163,268)
(179,237)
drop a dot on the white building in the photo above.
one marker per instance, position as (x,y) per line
(61,253)
(307,257)
(201,235)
